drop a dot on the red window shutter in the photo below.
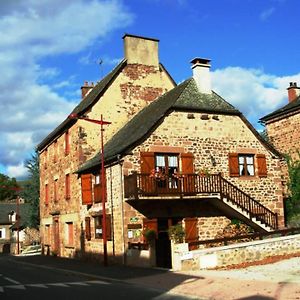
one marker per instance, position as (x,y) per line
(233,165)
(46,194)
(98,190)
(55,190)
(187,165)
(261,165)
(86,188)
(150,224)
(68,187)
(147,162)
(191,231)
(67,143)
(88,228)
(70,234)
(108,228)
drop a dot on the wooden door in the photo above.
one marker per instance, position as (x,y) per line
(187,164)
(191,231)
(147,183)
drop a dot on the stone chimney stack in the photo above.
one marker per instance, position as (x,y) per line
(293,91)
(141,50)
(201,74)
(86,88)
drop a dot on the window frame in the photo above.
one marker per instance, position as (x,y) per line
(245,164)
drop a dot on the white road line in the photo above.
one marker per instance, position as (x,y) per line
(43,286)
(18,287)
(58,284)
(97,282)
(78,283)
(11,280)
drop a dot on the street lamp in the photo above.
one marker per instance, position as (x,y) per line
(103,190)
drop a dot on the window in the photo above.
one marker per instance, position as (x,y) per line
(67,142)
(68,187)
(55,151)
(88,228)
(55,191)
(166,167)
(246,165)
(2,233)
(46,194)
(70,234)
(47,235)
(46,158)
(98,227)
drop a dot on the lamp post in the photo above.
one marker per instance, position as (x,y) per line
(17,189)
(103,190)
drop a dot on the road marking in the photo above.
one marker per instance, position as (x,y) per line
(58,284)
(97,282)
(37,285)
(78,283)
(11,280)
(18,287)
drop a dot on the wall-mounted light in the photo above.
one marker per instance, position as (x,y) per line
(213,161)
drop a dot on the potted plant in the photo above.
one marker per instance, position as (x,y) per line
(176,233)
(150,236)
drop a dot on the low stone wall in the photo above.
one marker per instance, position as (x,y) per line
(182,259)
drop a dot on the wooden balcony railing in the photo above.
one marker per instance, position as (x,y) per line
(143,185)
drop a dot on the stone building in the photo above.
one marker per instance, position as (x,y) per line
(173,154)
(283,124)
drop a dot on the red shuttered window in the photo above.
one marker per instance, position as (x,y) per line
(67,142)
(67,187)
(261,165)
(86,188)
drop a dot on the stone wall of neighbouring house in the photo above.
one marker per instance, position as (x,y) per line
(217,137)
(234,254)
(285,135)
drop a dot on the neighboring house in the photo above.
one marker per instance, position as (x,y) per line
(188,157)
(283,124)
(8,220)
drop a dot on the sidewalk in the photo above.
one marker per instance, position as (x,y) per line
(276,281)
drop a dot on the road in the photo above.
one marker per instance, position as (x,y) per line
(29,281)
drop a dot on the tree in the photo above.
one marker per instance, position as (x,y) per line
(31,190)
(7,188)
(293,202)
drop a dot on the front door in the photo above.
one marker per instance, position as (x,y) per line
(163,244)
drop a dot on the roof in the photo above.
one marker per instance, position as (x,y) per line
(283,111)
(88,101)
(185,97)
(7,208)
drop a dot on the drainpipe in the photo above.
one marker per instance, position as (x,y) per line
(122,207)
(112,212)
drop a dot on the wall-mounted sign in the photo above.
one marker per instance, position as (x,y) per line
(134,226)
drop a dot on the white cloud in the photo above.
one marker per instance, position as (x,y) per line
(267,13)
(31,31)
(252,91)
(17,171)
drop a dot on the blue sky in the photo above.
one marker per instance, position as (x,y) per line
(48,48)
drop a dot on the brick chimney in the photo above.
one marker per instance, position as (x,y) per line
(201,74)
(293,91)
(141,50)
(86,88)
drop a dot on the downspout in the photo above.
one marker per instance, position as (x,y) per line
(122,207)
(112,211)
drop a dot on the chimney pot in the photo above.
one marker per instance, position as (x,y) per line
(85,89)
(201,74)
(293,91)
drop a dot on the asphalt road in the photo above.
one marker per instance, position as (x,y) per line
(27,281)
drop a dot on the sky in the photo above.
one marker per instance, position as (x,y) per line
(48,48)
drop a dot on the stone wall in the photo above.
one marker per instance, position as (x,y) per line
(233,254)
(285,135)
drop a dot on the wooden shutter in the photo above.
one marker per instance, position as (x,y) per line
(88,228)
(191,231)
(233,159)
(98,190)
(147,165)
(67,143)
(261,165)
(68,187)
(86,188)
(108,228)
(187,165)
(150,224)
(147,162)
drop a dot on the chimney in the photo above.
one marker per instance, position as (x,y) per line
(85,89)
(201,74)
(293,91)
(141,50)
